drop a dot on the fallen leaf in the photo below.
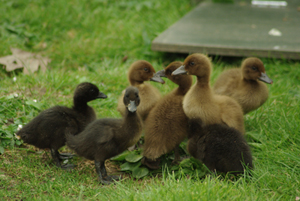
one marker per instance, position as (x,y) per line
(30,62)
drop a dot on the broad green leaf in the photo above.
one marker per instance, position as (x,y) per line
(121,157)
(140,172)
(130,166)
(133,157)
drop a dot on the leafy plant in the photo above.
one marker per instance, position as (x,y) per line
(131,162)
(12,111)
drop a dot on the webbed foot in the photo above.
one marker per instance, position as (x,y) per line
(64,156)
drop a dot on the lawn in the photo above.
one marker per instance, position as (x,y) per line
(96,41)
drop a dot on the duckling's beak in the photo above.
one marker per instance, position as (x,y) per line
(179,71)
(101,95)
(161,73)
(157,78)
(132,106)
(265,78)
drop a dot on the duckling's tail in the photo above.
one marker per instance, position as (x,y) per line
(195,127)
(71,140)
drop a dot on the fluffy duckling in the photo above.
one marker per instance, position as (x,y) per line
(167,124)
(200,101)
(48,129)
(105,138)
(139,72)
(219,147)
(243,85)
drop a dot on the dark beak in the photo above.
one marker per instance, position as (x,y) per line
(265,78)
(101,95)
(157,78)
(179,71)
(131,106)
(161,73)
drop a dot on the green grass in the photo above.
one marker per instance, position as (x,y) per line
(86,41)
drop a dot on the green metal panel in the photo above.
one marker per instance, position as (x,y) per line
(235,29)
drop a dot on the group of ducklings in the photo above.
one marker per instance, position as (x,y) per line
(212,119)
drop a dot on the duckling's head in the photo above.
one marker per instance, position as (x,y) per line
(178,79)
(131,98)
(253,69)
(195,64)
(141,71)
(86,92)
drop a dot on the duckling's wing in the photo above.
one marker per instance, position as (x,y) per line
(232,115)
(106,129)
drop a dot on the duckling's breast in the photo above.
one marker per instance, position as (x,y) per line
(201,105)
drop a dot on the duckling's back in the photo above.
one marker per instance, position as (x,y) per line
(48,128)
(250,94)
(219,147)
(228,81)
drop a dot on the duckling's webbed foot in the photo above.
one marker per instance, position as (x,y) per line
(56,157)
(152,164)
(177,158)
(102,174)
(64,156)
(112,178)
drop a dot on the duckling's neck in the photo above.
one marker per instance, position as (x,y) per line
(79,105)
(132,121)
(247,81)
(135,82)
(203,81)
(131,130)
(183,88)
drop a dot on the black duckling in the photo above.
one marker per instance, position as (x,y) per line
(105,138)
(167,125)
(48,129)
(139,72)
(201,102)
(244,84)
(219,147)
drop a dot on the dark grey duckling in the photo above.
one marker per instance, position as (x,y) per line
(48,129)
(108,137)
(219,147)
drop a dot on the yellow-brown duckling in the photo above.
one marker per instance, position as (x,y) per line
(244,84)
(139,72)
(201,102)
(166,126)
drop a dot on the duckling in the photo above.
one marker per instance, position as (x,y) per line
(201,102)
(48,129)
(105,138)
(219,147)
(243,85)
(139,72)
(166,126)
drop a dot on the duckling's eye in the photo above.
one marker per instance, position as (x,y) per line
(192,63)
(146,69)
(254,68)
